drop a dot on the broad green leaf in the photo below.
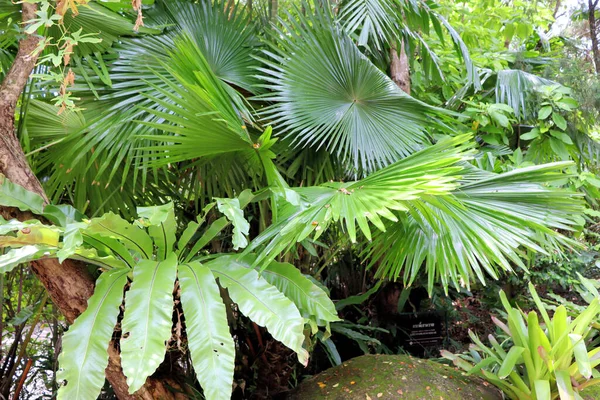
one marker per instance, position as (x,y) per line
(32,234)
(359,298)
(24,254)
(311,300)
(62,214)
(559,120)
(84,353)
(13,195)
(211,346)
(565,388)
(559,148)
(147,320)
(209,234)
(107,245)
(512,358)
(542,390)
(112,226)
(72,238)
(241,227)
(261,302)
(16,225)
(500,118)
(581,355)
(533,134)
(187,235)
(91,256)
(544,112)
(561,136)
(162,227)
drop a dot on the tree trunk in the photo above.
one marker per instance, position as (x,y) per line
(594,33)
(399,68)
(68,284)
(273,10)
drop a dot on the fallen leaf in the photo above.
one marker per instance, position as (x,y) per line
(352,382)
(368,397)
(336,385)
(399,391)
(321,384)
(379,394)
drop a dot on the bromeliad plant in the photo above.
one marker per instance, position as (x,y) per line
(149,254)
(537,360)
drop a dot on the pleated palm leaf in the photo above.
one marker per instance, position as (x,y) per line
(130,80)
(381,23)
(436,214)
(326,93)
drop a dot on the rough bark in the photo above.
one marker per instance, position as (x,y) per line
(594,33)
(400,68)
(68,284)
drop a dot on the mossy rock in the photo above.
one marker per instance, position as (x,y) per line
(381,377)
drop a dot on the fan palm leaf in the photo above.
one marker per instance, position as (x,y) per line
(325,93)
(112,142)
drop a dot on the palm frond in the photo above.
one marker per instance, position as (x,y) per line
(516,89)
(375,20)
(327,94)
(481,228)
(431,171)
(121,86)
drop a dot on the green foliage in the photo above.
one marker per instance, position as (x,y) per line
(146,325)
(212,348)
(15,196)
(544,360)
(143,253)
(361,116)
(85,345)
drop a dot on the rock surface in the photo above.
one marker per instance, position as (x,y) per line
(382,377)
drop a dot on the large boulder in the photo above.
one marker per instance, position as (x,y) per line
(380,377)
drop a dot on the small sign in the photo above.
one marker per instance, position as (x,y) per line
(421,330)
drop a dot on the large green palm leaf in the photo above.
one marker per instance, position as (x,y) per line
(110,148)
(325,93)
(480,228)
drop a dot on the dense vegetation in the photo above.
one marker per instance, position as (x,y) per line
(218,198)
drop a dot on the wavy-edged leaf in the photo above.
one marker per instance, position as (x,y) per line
(232,210)
(261,302)
(311,300)
(72,239)
(147,320)
(31,234)
(162,227)
(13,195)
(211,346)
(24,254)
(84,353)
(112,226)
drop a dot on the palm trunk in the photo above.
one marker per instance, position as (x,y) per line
(399,68)
(273,10)
(594,33)
(68,284)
